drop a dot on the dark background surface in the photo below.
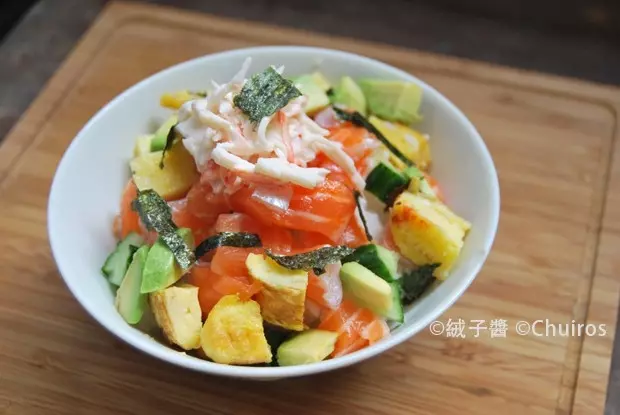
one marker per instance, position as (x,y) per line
(574,38)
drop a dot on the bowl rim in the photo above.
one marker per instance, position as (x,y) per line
(145,345)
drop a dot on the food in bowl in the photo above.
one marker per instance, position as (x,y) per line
(275,221)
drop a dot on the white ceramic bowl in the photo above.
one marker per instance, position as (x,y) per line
(95,168)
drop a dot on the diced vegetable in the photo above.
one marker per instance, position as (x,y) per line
(177,312)
(415,282)
(172,181)
(317,98)
(385,182)
(161,270)
(367,290)
(393,100)
(118,261)
(377,259)
(143,145)
(348,94)
(316,260)
(156,216)
(310,346)
(283,296)
(426,231)
(321,81)
(264,94)
(358,119)
(233,333)
(130,302)
(159,139)
(396,311)
(408,141)
(235,239)
(418,183)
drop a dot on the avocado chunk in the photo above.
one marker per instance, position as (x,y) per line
(393,100)
(159,139)
(349,94)
(317,98)
(310,346)
(370,291)
(161,269)
(379,260)
(130,302)
(320,80)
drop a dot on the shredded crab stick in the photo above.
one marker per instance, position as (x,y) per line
(220,136)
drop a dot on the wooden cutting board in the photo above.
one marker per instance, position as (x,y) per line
(556,256)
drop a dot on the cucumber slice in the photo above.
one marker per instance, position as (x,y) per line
(378,259)
(384,181)
(396,312)
(418,183)
(115,266)
(159,139)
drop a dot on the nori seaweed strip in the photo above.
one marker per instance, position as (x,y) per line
(316,260)
(235,239)
(172,134)
(357,196)
(415,282)
(264,94)
(156,216)
(361,121)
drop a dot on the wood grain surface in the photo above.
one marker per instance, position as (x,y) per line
(554,142)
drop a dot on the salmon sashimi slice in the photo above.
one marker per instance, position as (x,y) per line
(352,138)
(355,326)
(354,234)
(229,261)
(315,290)
(212,286)
(277,239)
(181,216)
(375,331)
(206,205)
(129,219)
(325,209)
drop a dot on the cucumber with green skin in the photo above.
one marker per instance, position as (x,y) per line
(378,259)
(384,181)
(118,261)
